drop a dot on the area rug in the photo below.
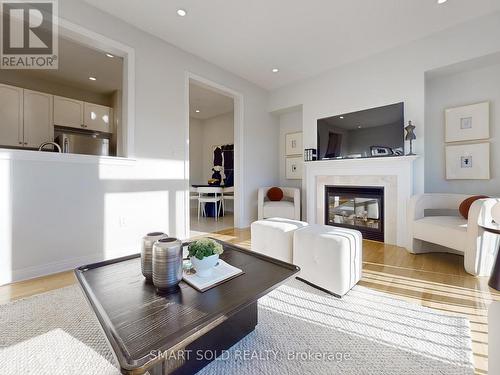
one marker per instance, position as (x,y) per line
(301,330)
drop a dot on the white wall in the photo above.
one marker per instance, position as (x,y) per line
(204,135)
(196,151)
(67,213)
(390,77)
(290,122)
(217,131)
(451,90)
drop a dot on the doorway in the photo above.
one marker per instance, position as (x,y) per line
(212,159)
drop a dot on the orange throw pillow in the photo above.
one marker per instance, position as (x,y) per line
(275,194)
(465,205)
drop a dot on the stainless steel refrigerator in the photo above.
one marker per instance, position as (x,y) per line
(87,144)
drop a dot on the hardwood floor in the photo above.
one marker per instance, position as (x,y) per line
(434,280)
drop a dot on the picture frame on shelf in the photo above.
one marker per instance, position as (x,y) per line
(294,167)
(468,161)
(467,123)
(293,144)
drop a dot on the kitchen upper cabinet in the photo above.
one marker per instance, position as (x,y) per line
(11,116)
(38,122)
(68,112)
(97,117)
(78,114)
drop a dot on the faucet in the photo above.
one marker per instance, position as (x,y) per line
(50,143)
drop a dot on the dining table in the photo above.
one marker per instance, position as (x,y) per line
(210,207)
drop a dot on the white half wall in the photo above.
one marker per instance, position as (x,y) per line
(62,214)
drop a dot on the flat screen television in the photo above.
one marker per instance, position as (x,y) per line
(368,133)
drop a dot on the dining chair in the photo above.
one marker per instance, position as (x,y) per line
(193,193)
(227,194)
(210,195)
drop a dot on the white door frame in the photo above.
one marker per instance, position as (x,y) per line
(238,146)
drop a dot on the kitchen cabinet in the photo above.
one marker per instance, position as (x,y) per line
(27,117)
(38,123)
(97,117)
(11,116)
(77,114)
(68,112)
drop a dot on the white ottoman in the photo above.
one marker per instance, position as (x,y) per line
(274,237)
(329,257)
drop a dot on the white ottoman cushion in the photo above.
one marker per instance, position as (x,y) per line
(329,257)
(274,237)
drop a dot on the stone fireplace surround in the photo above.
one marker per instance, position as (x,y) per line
(394,174)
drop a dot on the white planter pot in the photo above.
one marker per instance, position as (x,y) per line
(204,267)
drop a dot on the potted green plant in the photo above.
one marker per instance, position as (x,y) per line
(204,255)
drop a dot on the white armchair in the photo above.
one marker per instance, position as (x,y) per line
(454,233)
(287,208)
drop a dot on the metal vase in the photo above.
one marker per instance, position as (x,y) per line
(147,253)
(167,263)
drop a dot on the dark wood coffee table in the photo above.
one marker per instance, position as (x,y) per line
(181,332)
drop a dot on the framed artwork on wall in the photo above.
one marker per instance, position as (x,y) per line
(294,168)
(467,123)
(468,162)
(293,144)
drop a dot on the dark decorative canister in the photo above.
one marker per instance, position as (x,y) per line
(147,253)
(167,263)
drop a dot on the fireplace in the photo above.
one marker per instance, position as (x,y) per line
(356,207)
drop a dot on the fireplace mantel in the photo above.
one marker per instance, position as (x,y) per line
(395,174)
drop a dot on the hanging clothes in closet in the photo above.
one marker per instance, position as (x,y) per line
(224,157)
(228,156)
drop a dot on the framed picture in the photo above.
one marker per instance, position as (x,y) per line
(294,168)
(468,162)
(467,123)
(293,144)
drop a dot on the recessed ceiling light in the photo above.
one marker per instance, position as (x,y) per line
(181,12)
(359,126)
(275,70)
(197,111)
(110,55)
(441,1)
(93,78)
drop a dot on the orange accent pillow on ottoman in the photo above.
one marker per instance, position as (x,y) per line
(465,205)
(275,194)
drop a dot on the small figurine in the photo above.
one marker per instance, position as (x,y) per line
(410,136)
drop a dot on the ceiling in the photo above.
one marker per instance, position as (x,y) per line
(301,37)
(77,63)
(208,102)
(464,66)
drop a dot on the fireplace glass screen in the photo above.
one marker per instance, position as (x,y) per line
(360,208)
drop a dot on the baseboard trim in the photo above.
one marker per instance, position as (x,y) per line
(53,267)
